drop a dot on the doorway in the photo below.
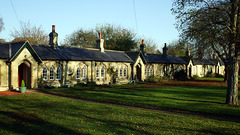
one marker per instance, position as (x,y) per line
(138,72)
(190,71)
(24,73)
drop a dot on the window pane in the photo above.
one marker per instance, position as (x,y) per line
(97,73)
(117,72)
(52,73)
(59,72)
(102,72)
(84,73)
(125,72)
(78,73)
(120,72)
(45,77)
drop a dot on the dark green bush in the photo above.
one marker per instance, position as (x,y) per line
(180,75)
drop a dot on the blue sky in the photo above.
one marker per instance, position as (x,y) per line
(154,18)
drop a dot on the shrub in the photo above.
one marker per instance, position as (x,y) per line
(180,75)
(23,83)
(216,75)
(195,76)
(157,78)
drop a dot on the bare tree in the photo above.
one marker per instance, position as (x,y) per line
(1,25)
(34,34)
(215,22)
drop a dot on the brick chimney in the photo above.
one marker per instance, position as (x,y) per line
(188,53)
(142,48)
(53,38)
(165,50)
(100,42)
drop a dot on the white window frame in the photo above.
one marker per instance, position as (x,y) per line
(117,74)
(121,73)
(125,72)
(102,72)
(84,73)
(45,73)
(78,73)
(59,73)
(52,74)
(148,73)
(97,73)
(151,71)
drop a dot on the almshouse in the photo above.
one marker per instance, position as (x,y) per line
(59,66)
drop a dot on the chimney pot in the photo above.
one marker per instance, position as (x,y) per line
(100,35)
(143,41)
(53,28)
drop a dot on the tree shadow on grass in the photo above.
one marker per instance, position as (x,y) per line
(24,123)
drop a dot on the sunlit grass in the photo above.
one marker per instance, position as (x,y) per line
(39,114)
(196,98)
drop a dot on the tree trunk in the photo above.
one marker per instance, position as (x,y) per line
(232,90)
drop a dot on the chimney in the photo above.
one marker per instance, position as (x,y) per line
(53,38)
(165,49)
(188,52)
(142,48)
(100,42)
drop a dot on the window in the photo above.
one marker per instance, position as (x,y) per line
(59,73)
(148,74)
(97,73)
(84,73)
(78,73)
(145,71)
(160,71)
(102,72)
(117,72)
(120,72)
(125,72)
(51,73)
(45,74)
(151,71)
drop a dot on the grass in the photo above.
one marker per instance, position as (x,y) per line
(197,97)
(210,78)
(40,114)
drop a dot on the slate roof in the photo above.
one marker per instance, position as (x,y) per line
(4,48)
(61,53)
(133,55)
(156,58)
(203,62)
(77,54)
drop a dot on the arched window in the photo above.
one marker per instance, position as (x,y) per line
(59,73)
(148,71)
(145,71)
(160,71)
(51,74)
(125,72)
(78,73)
(120,72)
(102,72)
(151,71)
(117,72)
(97,73)
(84,73)
(45,74)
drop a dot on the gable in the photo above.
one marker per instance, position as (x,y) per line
(30,49)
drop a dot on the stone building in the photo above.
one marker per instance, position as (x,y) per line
(202,67)
(54,65)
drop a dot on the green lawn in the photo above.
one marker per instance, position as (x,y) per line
(49,114)
(196,98)
(39,114)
